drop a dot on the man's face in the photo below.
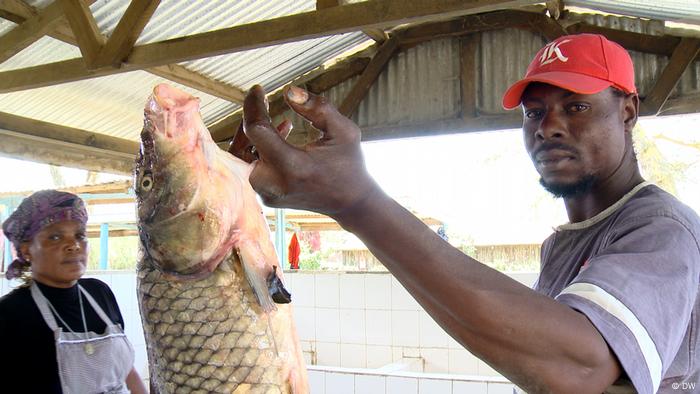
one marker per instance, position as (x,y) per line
(574,140)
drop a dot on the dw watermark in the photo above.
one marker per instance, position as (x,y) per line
(684,385)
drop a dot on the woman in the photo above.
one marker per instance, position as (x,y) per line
(60,333)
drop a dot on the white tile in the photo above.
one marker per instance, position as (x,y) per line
(430,333)
(500,388)
(328,354)
(340,383)
(404,328)
(352,291)
(378,356)
(306,346)
(401,300)
(317,382)
(486,370)
(378,327)
(401,385)
(134,330)
(352,326)
(124,289)
(434,386)
(327,325)
(469,388)
(140,359)
(396,353)
(304,290)
(370,384)
(353,356)
(305,319)
(378,291)
(453,344)
(463,362)
(327,292)
(436,360)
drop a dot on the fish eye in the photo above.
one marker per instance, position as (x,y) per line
(146,183)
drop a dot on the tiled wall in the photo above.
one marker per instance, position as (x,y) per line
(368,320)
(356,321)
(330,380)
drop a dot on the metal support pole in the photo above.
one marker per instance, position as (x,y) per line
(104,251)
(280,242)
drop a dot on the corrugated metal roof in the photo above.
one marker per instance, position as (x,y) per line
(685,11)
(113,105)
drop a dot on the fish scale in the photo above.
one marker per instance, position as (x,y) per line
(235,335)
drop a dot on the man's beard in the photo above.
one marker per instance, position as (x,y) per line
(577,188)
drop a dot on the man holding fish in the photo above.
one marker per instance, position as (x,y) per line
(616,306)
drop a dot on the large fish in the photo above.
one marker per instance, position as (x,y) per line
(212,301)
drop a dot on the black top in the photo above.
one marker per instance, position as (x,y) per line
(27,347)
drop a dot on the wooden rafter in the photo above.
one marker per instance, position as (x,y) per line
(467,75)
(466,25)
(333,76)
(127,32)
(30,31)
(66,134)
(368,76)
(682,57)
(555,8)
(547,27)
(19,12)
(378,35)
(85,30)
(646,43)
(334,20)
(184,76)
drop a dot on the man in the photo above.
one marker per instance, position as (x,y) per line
(616,306)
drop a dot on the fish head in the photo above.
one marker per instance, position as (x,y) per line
(187,188)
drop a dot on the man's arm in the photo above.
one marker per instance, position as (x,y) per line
(538,343)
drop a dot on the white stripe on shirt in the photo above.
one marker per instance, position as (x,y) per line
(616,308)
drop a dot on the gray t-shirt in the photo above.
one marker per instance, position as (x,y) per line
(634,271)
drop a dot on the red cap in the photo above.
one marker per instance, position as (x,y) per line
(581,63)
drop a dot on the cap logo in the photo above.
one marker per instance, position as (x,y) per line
(552,52)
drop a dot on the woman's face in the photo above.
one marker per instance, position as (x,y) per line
(58,253)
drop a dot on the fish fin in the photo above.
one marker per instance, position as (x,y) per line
(276,288)
(254,268)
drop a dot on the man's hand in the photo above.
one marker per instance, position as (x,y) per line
(327,176)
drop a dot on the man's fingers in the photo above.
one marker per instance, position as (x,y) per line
(322,115)
(258,128)
(285,128)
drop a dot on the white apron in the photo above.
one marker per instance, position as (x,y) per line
(89,363)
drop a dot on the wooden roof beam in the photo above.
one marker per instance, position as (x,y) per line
(52,151)
(683,55)
(85,30)
(378,35)
(127,32)
(30,30)
(333,76)
(51,131)
(466,25)
(172,72)
(369,76)
(334,20)
(548,27)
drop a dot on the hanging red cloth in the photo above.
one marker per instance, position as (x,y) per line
(293,252)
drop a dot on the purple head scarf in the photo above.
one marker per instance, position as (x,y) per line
(33,214)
